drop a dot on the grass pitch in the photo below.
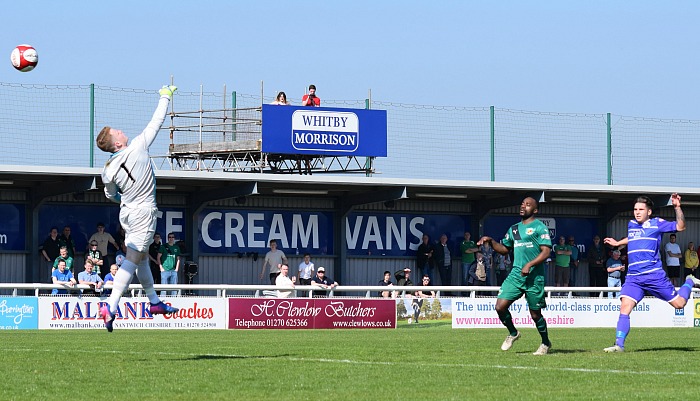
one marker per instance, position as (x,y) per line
(428,361)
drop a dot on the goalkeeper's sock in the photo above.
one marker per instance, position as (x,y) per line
(623,328)
(146,278)
(686,288)
(507,321)
(541,325)
(121,281)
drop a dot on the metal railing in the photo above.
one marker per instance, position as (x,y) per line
(370,291)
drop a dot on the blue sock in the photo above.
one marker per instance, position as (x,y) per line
(686,288)
(623,328)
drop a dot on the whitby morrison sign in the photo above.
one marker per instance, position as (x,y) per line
(323,131)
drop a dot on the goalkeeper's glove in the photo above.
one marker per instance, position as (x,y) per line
(167,90)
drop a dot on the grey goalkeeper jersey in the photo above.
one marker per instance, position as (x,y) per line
(128,174)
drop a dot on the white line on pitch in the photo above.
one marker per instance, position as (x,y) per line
(383,363)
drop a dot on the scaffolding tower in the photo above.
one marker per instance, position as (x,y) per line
(230,139)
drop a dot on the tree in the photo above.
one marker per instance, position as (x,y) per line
(400,309)
(436,308)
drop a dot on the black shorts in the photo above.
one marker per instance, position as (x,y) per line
(674,271)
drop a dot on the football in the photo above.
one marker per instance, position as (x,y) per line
(24,58)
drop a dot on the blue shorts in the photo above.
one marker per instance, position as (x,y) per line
(655,283)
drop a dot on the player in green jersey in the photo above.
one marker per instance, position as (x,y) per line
(531,246)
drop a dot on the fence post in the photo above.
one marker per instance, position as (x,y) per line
(92,125)
(610,180)
(493,145)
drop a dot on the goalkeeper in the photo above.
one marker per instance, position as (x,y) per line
(130,181)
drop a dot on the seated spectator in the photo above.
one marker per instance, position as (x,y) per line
(387,283)
(93,254)
(321,281)
(426,292)
(615,267)
(283,280)
(281,99)
(91,278)
(63,255)
(121,254)
(403,277)
(311,99)
(109,278)
(62,276)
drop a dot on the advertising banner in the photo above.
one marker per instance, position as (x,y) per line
(324,131)
(12,229)
(83,313)
(19,313)
(571,312)
(311,313)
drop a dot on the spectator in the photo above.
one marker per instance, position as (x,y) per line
(170,265)
(153,251)
(503,265)
(562,260)
(467,249)
(488,252)
(596,265)
(425,292)
(121,254)
(91,278)
(690,261)
(63,255)
(477,272)
(673,260)
(95,256)
(311,99)
(615,268)
(386,282)
(306,270)
(66,240)
(573,263)
(62,276)
(443,260)
(424,256)
(403,278)
(50,249)
(283,280)
(281,99)
(273,258)
(109,278)
(322,281)
(103,240)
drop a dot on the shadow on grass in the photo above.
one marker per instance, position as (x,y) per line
(558,351)
(681,349)
(207,357)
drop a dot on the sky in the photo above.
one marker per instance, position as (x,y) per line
(629,58)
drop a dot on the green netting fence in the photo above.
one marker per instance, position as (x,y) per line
(54,125)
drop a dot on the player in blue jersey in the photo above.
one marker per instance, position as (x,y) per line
(130,181)
(645,273)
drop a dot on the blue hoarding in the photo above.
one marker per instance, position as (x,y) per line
(19,313)
(324,131)
(83,221)
(581,229)
(12,227)
(395,234)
